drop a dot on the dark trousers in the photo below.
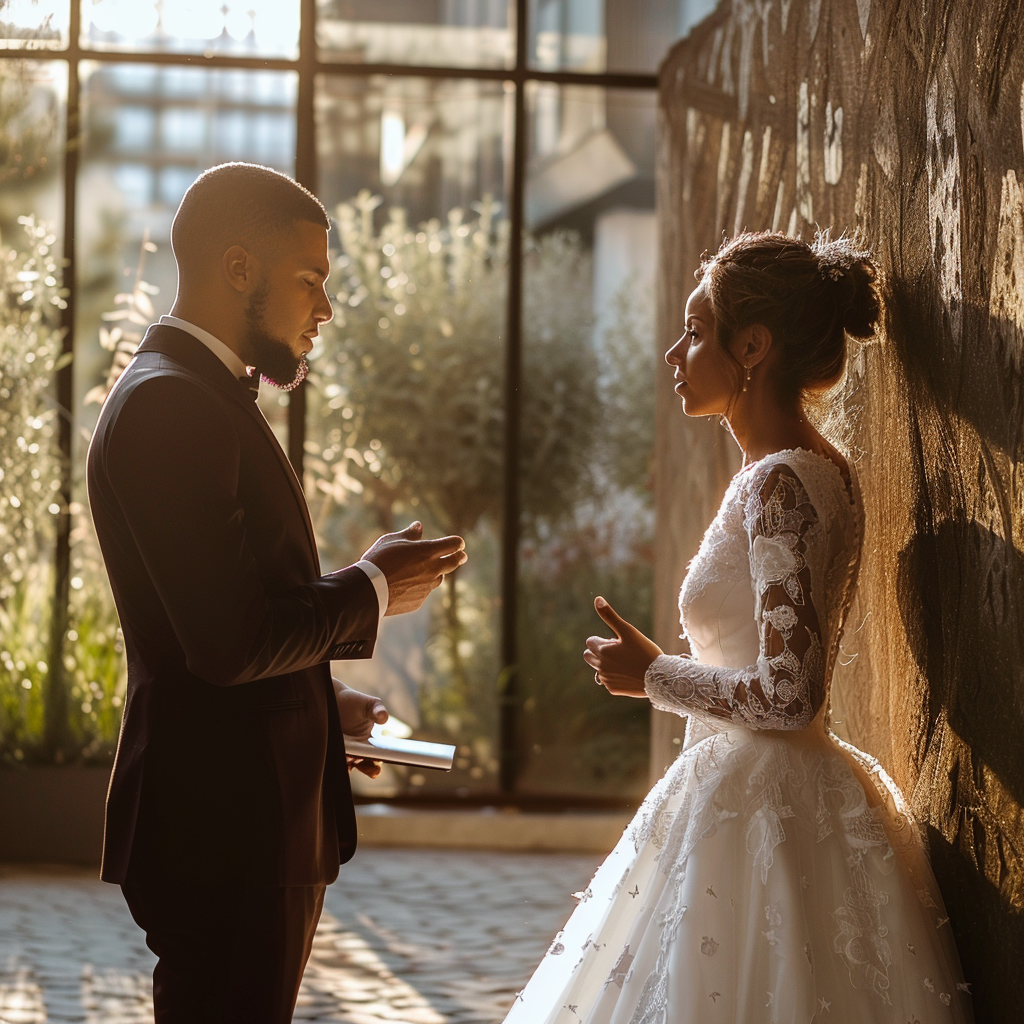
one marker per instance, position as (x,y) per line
(227,954)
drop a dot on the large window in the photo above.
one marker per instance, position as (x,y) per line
(488,167)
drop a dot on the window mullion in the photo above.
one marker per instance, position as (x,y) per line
(305,174)
(56,698)
(509,702)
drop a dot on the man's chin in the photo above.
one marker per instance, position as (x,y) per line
(282,382)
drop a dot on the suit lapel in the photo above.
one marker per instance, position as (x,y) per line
(293,481)
(196,357)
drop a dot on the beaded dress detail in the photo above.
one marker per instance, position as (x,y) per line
(774,874)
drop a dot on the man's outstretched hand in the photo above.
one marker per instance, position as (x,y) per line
(413,566)
(359,713)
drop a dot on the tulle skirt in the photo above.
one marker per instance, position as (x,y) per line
(769,877)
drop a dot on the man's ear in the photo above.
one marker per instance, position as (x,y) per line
(239,268)
(752,344)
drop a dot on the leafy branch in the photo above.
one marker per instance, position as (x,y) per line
(130,321)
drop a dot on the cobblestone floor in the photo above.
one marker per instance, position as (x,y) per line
(407,937)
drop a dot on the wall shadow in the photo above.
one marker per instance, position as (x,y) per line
(989,932)
(959,590)
(958,361)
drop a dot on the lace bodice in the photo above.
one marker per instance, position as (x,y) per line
(764,601)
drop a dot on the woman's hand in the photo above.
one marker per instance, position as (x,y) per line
(620,665)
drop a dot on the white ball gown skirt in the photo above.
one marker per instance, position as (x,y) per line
(768,877)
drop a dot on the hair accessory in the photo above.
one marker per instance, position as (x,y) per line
(836,256)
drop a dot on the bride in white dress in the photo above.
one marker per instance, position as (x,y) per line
(774,874)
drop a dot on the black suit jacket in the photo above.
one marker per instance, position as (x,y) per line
(230,765)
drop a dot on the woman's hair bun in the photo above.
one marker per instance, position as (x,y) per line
(849,266)
(809,295)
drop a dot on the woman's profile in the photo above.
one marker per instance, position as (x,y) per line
(773,874)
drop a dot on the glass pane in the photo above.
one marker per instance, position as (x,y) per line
(268,28)
(405,409)
(613,35)
(147,133)
(32,119)
(447,33)
(35,23)
(588,431)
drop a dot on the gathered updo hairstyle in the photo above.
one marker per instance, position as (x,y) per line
(810,296)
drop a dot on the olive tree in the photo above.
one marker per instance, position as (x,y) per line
(408,412)
(413,405)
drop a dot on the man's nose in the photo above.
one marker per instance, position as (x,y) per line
(324,313)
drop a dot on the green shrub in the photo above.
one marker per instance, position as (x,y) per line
(31,474)
(407,420)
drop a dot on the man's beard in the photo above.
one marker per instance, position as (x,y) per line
(272,357)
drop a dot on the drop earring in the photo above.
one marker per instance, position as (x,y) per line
(746,378)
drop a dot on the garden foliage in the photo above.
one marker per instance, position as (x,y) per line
(407,420)
(31,474)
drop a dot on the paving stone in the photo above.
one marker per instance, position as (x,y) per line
(407,937)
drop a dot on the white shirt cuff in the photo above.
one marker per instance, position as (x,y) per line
(380,584)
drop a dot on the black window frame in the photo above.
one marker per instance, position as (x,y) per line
(308,65)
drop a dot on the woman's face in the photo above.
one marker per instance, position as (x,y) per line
(706,376)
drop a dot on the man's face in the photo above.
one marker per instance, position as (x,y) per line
(289,304)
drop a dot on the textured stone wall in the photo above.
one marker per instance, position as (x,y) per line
(904,120)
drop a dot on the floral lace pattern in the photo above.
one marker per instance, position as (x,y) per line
(718,548)
(862,937)
(786,687)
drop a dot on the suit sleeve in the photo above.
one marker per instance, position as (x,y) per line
(172,460)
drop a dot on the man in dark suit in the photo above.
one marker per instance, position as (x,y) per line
(229,807)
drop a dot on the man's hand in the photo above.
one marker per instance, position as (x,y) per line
(359,712)
(414,567)
(371,769)
(620,665)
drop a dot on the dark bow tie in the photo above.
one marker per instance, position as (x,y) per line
(251,384)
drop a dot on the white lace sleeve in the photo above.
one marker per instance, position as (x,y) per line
(786,687)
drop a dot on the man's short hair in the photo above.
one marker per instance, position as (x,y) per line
(239,204)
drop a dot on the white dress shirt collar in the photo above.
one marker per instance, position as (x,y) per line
(215,345)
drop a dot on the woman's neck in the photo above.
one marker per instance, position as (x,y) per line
(760,426)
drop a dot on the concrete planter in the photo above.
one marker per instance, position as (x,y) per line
(482,829)
(55,815)
(52,815)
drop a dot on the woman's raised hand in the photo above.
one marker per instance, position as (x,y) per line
(620,665)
